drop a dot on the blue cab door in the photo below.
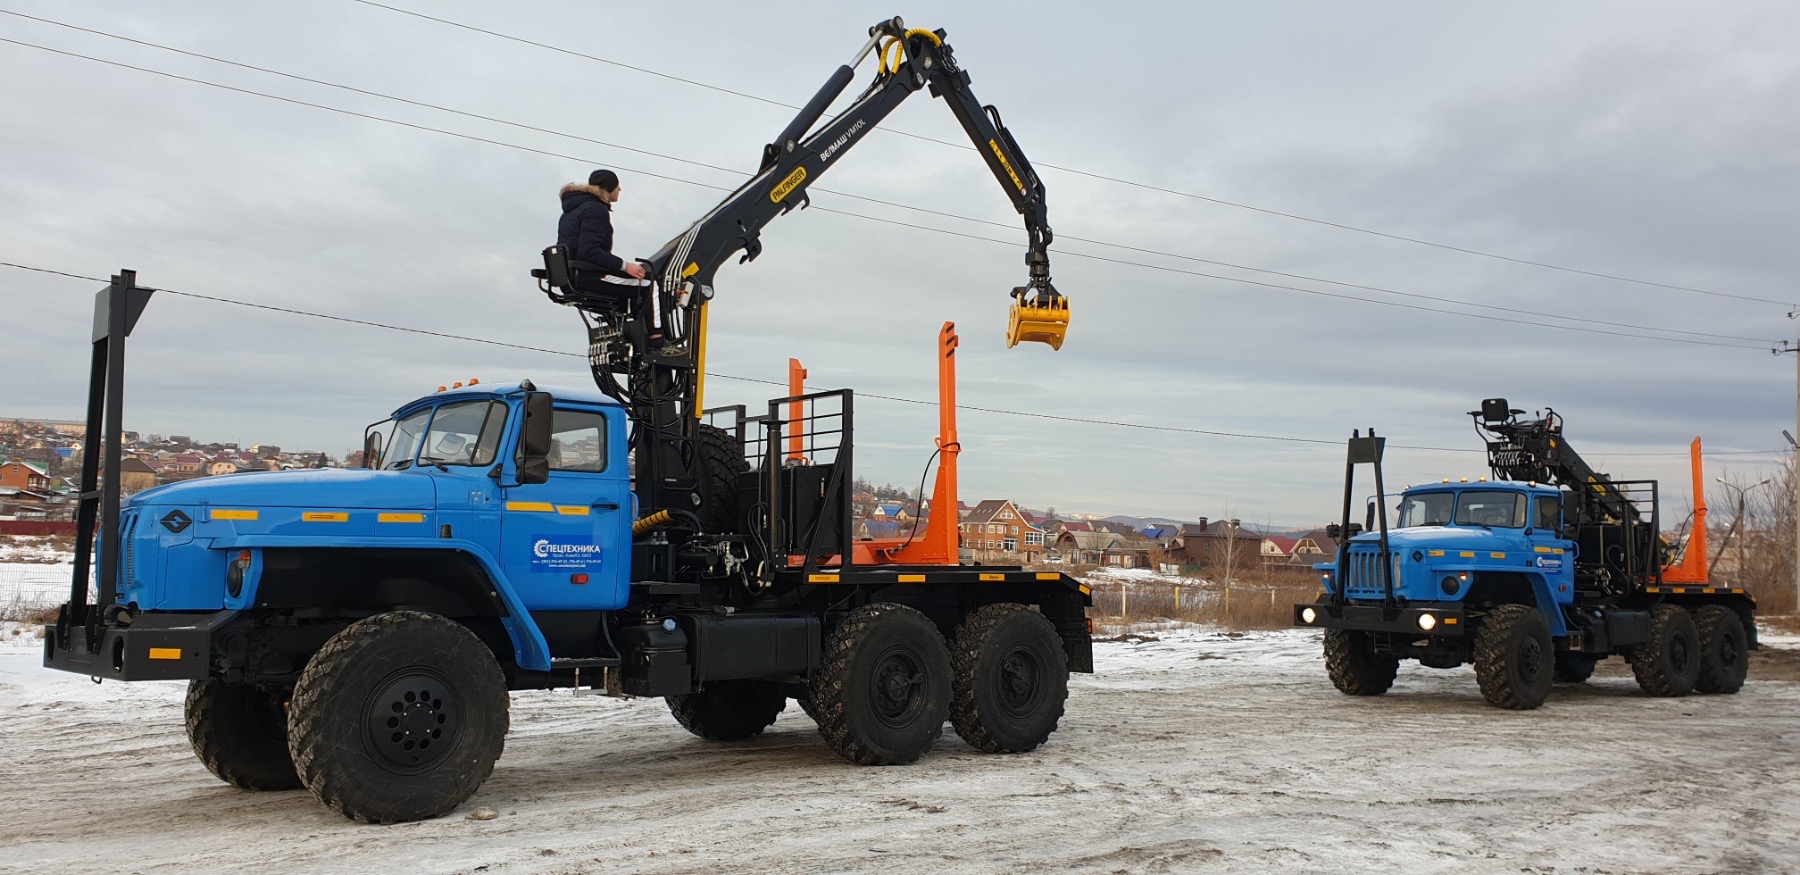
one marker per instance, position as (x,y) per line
(566,544)
(1551,555)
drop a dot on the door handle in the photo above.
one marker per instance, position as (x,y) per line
(606,505)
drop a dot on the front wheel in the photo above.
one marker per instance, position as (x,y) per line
(241,733)
(398,717)
(1010,677)
(882,690)
(1514,661)
(1575,668)
(1354,666)
(729,710)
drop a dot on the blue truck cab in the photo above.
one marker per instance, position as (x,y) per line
(443,520)
(1458,543)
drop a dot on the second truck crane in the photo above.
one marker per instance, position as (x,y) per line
(1533,576)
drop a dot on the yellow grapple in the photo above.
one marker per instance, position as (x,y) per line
(1044,319)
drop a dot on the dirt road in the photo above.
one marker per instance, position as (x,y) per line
(1193,752)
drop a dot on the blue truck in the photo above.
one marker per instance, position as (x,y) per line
(1533,576)
(357,632)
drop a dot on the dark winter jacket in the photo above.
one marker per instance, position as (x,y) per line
(586,227)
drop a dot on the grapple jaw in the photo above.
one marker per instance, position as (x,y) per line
(1042,317)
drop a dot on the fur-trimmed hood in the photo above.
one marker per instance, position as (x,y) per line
(578,188)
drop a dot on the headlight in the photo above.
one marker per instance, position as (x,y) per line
(1427,622)
(1308,615)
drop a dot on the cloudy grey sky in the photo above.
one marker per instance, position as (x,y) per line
(1658,141)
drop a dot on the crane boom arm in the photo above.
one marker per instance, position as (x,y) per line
(908,61)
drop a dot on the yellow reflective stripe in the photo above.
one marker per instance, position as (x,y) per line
(1467,554)
(165,653)
(234,515)
(531,506)
(1049,575)
(1556,550)
(1434,552)
(324,516)
(1496,555)
(1084,589)
(912,578)
(572,509)
(1709,590)
(1450,621)
(821,578)
(993,577)
(400,518)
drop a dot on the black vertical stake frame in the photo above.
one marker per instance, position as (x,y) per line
(116,311)
(1365,450)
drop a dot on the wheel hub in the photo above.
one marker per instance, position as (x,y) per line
(1020,676)
(1678,653)
(896,692)
(409,721)
(1531,659)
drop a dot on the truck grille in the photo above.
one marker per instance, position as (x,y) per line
(1362,573)
(127,527)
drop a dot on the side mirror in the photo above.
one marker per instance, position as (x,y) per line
(371,450)
(534,438)
(1369,517)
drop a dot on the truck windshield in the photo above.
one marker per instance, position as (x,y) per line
(404,443)
(1496,510)
(1426,509)
(464,433)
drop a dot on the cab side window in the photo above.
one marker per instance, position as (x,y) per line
(578,441)
(1547,513)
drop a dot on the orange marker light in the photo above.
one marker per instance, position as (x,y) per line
(578,578)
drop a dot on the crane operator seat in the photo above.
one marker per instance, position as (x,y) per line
(585,285)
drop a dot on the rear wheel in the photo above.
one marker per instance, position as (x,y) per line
(1669,663)
(882,690)
(1514,661)
(240,732)
(1355,668)
(1010,679)
(1724,650)
(398,717)
(729,710)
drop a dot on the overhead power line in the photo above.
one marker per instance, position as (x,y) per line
(1093,175)
(895,398)
(1761,342)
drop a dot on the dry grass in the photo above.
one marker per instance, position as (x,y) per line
(18,609)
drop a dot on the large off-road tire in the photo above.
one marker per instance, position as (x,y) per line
(1355,668)
(1514,659)
(1724,650)
(721,461)
(240,732)
(398,717)
(1574,668)
(1009,679)
(1669,663)
(729,710)
(882,690)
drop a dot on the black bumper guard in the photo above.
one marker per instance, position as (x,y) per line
(155,647)
(1447,622)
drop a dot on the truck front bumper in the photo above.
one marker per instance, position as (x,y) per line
(1448,621)
(155,647)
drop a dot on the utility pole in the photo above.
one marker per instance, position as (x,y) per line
(1794,347)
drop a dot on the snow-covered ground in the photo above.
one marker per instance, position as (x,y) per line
(1188,751)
